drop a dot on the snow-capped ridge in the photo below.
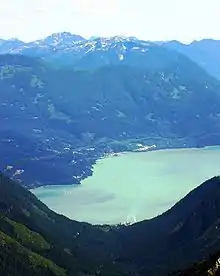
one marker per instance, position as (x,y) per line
(115,47)
(59,39)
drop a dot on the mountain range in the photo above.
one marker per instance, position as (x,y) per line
(183,235)
(57,120)
(67,101)
(204,52)
(66,49)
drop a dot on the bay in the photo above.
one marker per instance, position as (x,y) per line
(133,186)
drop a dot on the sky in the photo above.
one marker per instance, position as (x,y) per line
(184,20)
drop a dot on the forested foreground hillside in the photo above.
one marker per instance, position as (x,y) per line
(210,266)
(36,241)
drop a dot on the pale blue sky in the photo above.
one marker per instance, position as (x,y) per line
(184,20)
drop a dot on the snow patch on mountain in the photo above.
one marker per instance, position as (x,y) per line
(121,57)
(67,43)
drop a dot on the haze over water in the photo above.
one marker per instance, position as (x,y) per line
(133,186)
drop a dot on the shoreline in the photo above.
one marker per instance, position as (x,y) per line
(120,153)
(61,190)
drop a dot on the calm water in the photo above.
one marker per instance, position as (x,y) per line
(133,186)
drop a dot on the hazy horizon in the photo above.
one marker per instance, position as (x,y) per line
(153,20)
(41,38)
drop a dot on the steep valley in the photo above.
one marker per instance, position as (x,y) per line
(49,244)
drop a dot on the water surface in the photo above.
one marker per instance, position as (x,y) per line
(133,186)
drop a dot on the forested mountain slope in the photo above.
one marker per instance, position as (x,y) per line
(204,52)
(55,245)
(59,120)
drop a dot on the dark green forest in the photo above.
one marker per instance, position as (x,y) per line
(37,241)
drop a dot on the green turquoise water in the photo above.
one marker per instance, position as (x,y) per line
(133,186)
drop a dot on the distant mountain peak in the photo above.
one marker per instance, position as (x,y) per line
(14,39)
(120,38)
(66,34)
(60,38)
